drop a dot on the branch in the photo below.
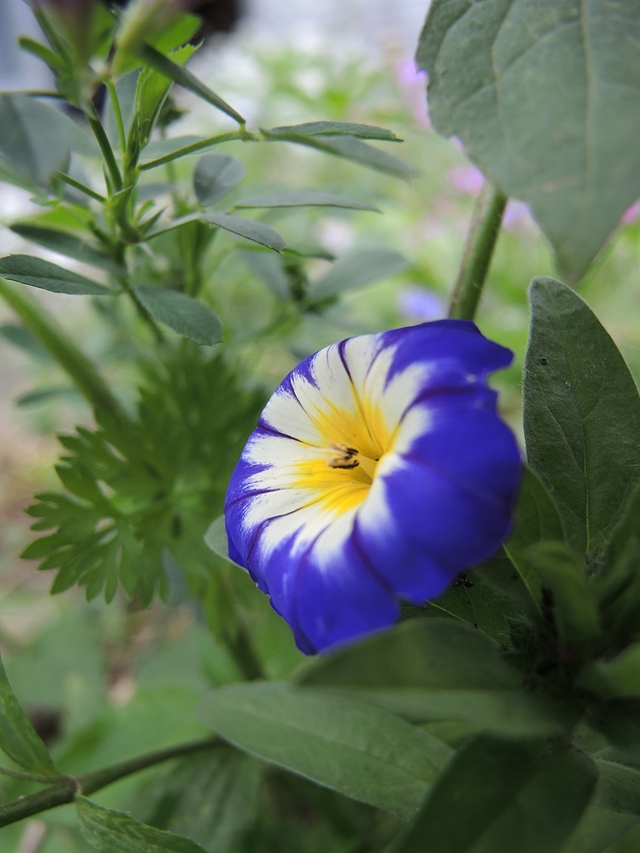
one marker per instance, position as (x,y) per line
(481,241)
(65,790)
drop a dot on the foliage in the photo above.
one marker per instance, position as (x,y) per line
(503,715)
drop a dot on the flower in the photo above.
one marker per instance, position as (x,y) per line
(379,470)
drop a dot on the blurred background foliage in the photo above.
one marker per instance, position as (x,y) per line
(93,677)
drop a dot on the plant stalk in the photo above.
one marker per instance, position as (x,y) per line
(81,370)
(481,241)
(65,790)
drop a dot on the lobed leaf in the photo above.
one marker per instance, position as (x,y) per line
(545,98)
(581,415)
(35,272)
(356,749)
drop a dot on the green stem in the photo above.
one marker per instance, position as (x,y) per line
(81,370)
(481,241)
(65,790)
(83,189)
(105,147)
(244,135)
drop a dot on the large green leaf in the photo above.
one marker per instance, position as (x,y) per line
(110,831)
(361,751)
(18,738)
(545,95)
(183,314)
(38,273)
(358,269)
(437,669)
(67,244)
(501,797)
(581,415)
(36,139)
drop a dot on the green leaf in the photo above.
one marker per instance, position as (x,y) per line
(476,602)
(617,677)
(356,270)
(361,751)
(308,198)
(350,148)
(598,829)
(581,415)
(183,314)
(216,538)
(126,88)
(18,738)
(21,337)
(211,797)
(215,176)
(438,669)
(499,797)
(268,267)
(152,90)
(38,273)
(537,520)
(566,143)
(67,244)
(187,80)
(573,604)
(257,232)
(36,139)
(337,128)
(116,832)
(41,395)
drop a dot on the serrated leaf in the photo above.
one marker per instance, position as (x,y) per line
(67,244)
(361,751)
(257,232)
(35,272)
(18,738)
(110,831)
(356,270)
(581,415)
(187,80)
(337,128)
(350,148)
(183,314)
(308,198)
(437,669)
(36,139)
(498,797)
(216,175)
(565,144)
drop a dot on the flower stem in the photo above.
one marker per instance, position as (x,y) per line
(481,241)
(65,790)
(81,370)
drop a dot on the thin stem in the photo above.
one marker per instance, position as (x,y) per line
(481,241)
(65,790)
(44,93)
(81,370)
(115,103)
(244,135)
(20,774)
(83,189)
(105,147)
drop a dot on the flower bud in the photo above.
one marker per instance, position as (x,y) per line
(78,21)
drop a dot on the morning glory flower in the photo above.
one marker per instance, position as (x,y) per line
(379,470)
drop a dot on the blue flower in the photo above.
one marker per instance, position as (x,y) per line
(379,470)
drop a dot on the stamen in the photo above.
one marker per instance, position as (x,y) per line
(347,459)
